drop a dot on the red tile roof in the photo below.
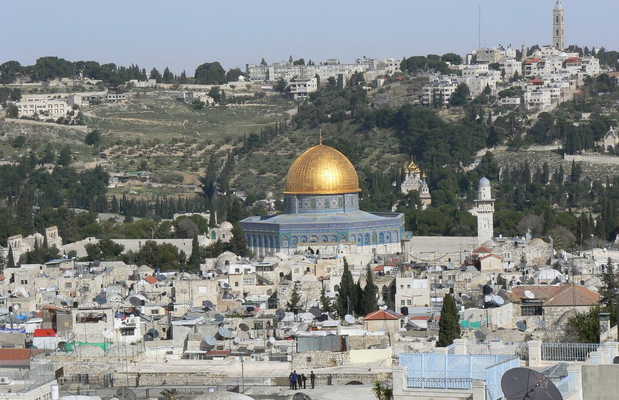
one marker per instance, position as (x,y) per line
(151,279)
(490,255)
(482,249)
(533,60)
(536,81)
(44,333)
(16,354)
(573,60)
(218,353)
(382,315)
(563,295)
(379,268)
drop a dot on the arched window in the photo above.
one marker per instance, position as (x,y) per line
(366,239)
(324,239)
(381,237)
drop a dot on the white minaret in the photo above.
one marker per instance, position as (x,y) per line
(484,208)
(558,26)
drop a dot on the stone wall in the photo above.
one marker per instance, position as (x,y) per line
(319,359)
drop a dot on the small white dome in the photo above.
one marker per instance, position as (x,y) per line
(484,182)
(226,225)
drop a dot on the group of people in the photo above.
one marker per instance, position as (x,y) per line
(300,381)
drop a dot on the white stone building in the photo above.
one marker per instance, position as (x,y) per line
(301,88)
(484,209)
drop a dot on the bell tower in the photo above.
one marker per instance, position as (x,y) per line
(558,26)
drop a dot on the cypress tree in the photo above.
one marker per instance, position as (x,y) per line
(344,302)
(449,325)
(370,302)
(11,259)
(194,259)
(357,298)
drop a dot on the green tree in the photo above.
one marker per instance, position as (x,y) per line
(210,74)
(238,244)
(10,262)
(370,293)
(93,138)
(12,111)
(609,284)
(65,158)
(345,297)
(449,325)
(233,74)
(280,85)
(194,258)
(105,250)
(295,299)
(154,74)
(583,327)
(168,76)
(460,96)
(325,302)
(452,58)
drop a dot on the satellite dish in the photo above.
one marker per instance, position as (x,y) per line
(529,294)
(498,300)
(349,318)
(616,360)
(236,340)
(488,298)
(524,383)
(152,332)
(208,304)
(125,394)
(219,318)
(280,314)
(480,335)
(243,327)
(486,290)
(210,340)
(521,325)
(225,333)
(271,341)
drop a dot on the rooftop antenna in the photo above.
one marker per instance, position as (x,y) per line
(320,134)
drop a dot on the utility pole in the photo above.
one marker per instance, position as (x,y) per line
(242,375)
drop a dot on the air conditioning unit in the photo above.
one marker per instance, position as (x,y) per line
(4,380)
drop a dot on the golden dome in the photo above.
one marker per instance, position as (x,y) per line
(322,170)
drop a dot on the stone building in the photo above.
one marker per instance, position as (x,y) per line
(414,180)
(610,140)
(546,306)
(322,213)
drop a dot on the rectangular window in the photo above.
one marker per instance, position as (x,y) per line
(532,310)
(127,331)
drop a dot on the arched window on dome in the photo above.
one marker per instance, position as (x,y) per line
(381,237)
(395,236)
(374,238)
(366,239)
(324,239)
(333,239)
(388,237)
(295,241)
(314,239)
(360,239)
(303,239)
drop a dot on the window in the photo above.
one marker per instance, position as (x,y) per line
(236,284)
(532,309)
(24,282)
(154,312)
(127,331)
(403,302)
(67,285)
(410,302)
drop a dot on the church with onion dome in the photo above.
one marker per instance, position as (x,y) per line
(322,213)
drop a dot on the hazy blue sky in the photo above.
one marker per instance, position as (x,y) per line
(183,33)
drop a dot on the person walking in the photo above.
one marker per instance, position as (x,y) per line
(290,380)
(304,381)
(312,378)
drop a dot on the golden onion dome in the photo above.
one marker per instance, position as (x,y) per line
(322,170)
